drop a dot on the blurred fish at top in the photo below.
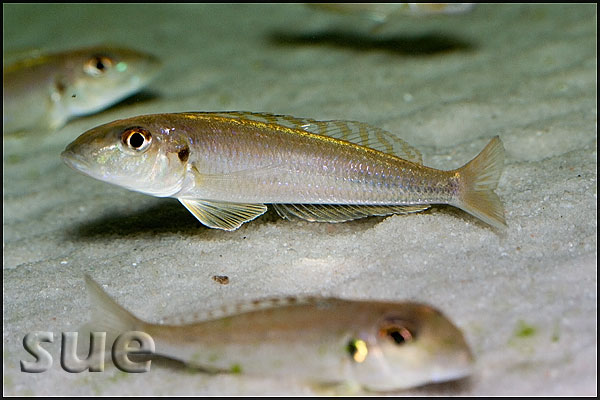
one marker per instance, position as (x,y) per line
(382,13)
(44,91)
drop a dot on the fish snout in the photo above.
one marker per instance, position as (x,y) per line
(455,366)
(72,156)
(72,160)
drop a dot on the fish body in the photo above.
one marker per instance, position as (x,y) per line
(44,91)
(377,345)
(225,168)
(384,12)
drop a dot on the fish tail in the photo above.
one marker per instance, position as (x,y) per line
(107,315)
(479,178)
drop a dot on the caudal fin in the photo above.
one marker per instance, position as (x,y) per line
(479,178)
(107,315)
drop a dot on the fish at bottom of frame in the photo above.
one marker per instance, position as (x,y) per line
(374,345)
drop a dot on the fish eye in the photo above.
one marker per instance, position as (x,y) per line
(136,138)
(357,349)
(97,65)
(399,332)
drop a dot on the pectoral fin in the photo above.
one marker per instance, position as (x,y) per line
(221,215)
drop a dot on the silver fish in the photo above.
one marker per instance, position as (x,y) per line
(45,91)
(387,11)
(377,345)
(225,167)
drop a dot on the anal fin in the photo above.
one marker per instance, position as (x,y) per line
(342,212)
(223,215)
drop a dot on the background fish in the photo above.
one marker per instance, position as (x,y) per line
(45,91)
(225,167)
(384,12)
(377,345)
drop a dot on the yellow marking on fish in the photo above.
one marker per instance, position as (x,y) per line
(358,350)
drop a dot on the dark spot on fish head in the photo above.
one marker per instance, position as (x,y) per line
(184,154)
(60,86)
(291,299)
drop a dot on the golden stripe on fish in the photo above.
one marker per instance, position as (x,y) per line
(226,167)
(376,345)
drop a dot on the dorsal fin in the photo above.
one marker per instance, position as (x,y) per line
(351,131)
(239,308)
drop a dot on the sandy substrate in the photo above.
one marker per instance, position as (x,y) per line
(526,299)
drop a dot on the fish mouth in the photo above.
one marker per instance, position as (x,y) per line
(458,369)
(445,376)
(75,161)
